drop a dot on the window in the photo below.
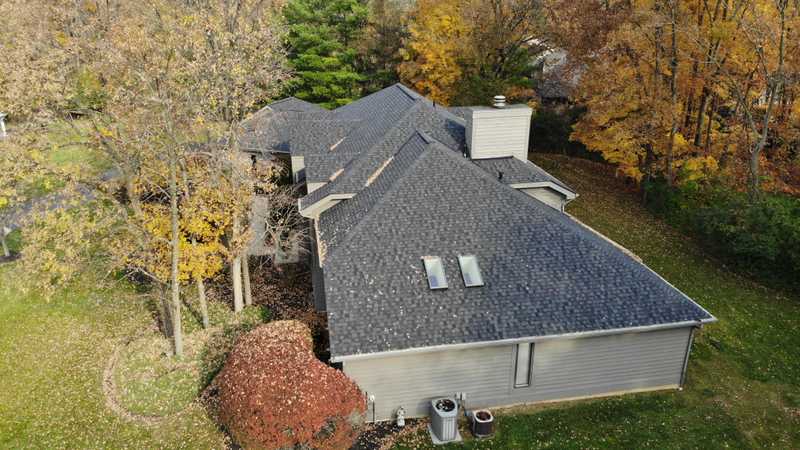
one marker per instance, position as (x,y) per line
(435,271)
(470,271)
(522,370)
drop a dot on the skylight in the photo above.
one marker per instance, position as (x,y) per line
(435,270)
(470,271)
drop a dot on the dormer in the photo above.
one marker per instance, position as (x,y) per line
(498,131)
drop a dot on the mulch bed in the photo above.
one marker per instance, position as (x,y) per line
(382,435)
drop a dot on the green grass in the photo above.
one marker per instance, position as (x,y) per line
(52,357)
(68,147)
(743,381)
(151,382)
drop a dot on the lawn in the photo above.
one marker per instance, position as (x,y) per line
(52,357)
(743,387)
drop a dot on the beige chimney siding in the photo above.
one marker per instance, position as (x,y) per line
(499,132)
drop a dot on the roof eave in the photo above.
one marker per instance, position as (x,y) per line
(325,203)
(574,335)
(548,184)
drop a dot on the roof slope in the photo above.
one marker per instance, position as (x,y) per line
(421,115)
(545,274)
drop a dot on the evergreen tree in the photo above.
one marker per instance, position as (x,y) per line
(322,38)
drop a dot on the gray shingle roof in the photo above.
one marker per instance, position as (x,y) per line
(545,274)
(416,195)
(295,104)
(420,116)
(517,171)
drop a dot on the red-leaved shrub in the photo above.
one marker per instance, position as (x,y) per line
(275,394)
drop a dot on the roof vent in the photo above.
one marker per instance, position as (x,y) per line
(499,101)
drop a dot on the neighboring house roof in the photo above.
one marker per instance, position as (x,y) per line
(410,192)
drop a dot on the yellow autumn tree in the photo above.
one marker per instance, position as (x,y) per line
(680,89)
(430,63)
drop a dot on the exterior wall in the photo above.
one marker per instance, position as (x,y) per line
(497,133)
(298,168)
(317,279)
(547,196)
(313,186)
(562,369)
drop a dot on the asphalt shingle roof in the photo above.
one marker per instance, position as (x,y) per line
(517,171)
(544,273)
(295,104)
(415,194)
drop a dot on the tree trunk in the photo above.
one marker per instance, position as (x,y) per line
(201,294)
(673,86)
(248,294)
(6,251)
(236,278)
(698,131)
(177,332)
(236,273)
(775,86)
(711,113)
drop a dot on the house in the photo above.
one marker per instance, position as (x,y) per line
(446,264)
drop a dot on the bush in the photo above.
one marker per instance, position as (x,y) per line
(761,237)
(551,127)
(274,393)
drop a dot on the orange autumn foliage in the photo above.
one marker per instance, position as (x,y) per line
(274,393)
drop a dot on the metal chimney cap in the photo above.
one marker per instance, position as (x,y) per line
(499,101)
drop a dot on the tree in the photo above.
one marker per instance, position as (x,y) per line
(321,40)
(500,50)
(431,57)
(682,90)
(467,52)
(176,75)
(379,48)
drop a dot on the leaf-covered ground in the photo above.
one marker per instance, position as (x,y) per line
(743,386)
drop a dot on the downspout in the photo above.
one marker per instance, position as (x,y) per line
(686,356)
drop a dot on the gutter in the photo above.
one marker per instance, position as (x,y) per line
(548,184)
(314,210)
(575,335)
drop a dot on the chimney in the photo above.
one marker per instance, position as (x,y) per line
(498,131)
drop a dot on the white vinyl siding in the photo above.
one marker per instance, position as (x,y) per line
(547,196)
(497,133)
(561,369)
